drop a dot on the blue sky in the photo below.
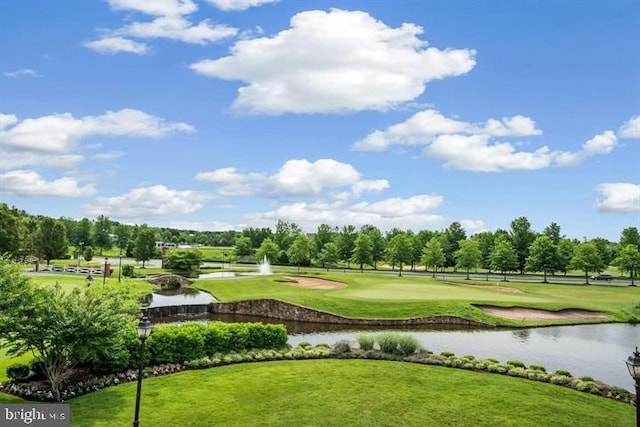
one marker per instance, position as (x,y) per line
(225,114)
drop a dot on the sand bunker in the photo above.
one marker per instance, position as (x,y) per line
(314,283)
(520,313)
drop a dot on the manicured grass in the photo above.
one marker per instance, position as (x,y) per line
(346,393)
(370,295)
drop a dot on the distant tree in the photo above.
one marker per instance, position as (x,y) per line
(630,236)
(521,239)
(606,249)
(52,239)
(123,235)
(485,244)
(587,259)
(145,246)
(286,233)
(63,329)
(346,243)
(9,231)
(102,234)
(503,257)
(83,233)
(399,251)
(469,255)
(329,255)
(300,250)
(566,249)
(454,234)
(184,259)
(324,234)
(553,232)
(543,256)
(268,248)
(628,260)
(377,243)
(362,251)
(432,255)
(243,246)
(88,253)
(257,235)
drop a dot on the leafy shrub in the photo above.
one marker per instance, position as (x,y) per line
(407,345)
(585,378)
(517,372)
(516,363)
(538,368)
(18,371)
(127,270)
(469,357)
(491,360)
(447,354)
(563,373)
(342,347)
(366,342)
(388,343)
(587,386)
(305,345)
(559,379)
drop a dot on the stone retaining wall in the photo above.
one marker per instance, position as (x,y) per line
(285,311)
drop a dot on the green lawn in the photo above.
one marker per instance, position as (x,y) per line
(369,295)
(346,393)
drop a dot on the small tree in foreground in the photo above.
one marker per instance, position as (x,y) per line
(184,259)
(62,329)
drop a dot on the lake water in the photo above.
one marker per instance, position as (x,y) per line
(598,351)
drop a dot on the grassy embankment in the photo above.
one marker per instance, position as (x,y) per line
(346,393)
(370,295)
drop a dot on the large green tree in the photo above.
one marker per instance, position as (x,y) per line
(329,255)
(377,243)
(469,255)
(346,243)
(630,236)
(145,246)
(362,251)
(324,234)
(51,239)
(433,255)
(300,250)
(521,238)
(543,256)
(503,257)
(269,249)
(62,329)
(628,260)
(399,251)
(102,234)
(286,233)
(587,258)
(243,246)
(454,234)
(9,231)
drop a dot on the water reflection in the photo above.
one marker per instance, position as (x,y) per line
(176,297)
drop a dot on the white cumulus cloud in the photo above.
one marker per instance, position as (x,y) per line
(24,72)
(231,181)
(622,197)
(60,132)
(631,128)
(117,44)
(334,61)
(26,183)
(147,202)
(239,4)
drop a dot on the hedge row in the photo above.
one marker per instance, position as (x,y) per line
(180,343)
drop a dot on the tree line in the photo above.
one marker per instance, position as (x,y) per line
(518,249)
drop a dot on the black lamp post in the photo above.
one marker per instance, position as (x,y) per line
(81,244)
(633,364)
(104,275)
(144,330)
(120,264)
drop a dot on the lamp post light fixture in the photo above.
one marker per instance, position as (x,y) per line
(120,264)
(144,330)
(81,244)
(633,364)
(104,273)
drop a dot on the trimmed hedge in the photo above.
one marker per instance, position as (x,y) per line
(192,341)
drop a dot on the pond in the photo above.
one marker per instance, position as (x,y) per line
(598,351)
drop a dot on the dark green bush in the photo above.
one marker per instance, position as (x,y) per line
(563,373)
(180,343)
(127,270)
(342,347)
(538,368)
(18,371)
(447,354)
